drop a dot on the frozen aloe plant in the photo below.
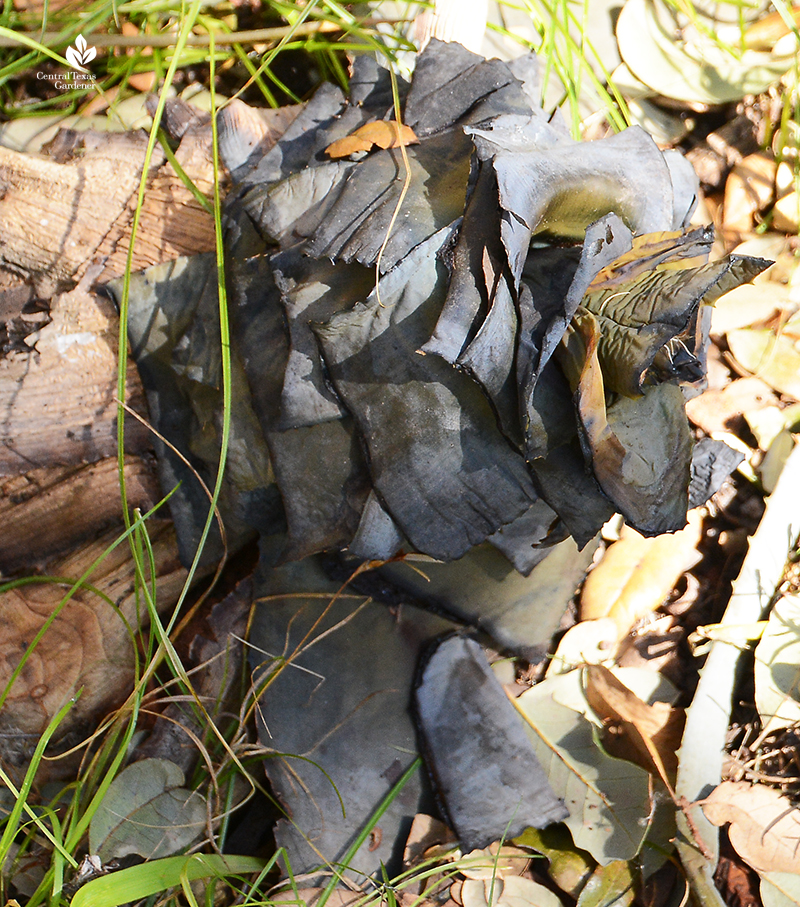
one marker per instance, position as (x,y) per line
(483,336)
(515,376)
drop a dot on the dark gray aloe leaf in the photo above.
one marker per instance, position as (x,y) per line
(377,537)
(482,761)
(327,116)
(712,463)
(312,291)
(644,303)
(477,268)
(295,206)
(173,326)
(483,589)
(489,358)
(526,542)
(639,449)
(560,189)
(319,468)
(572,491)
(324,484)
(356,225)
(337,746)
(454,86)
(438,462)
(605,240)
(552,289)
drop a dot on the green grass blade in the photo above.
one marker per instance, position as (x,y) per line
(373,821)
(151,878)
(12,823)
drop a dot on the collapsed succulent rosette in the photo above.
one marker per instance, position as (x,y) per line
(514,375)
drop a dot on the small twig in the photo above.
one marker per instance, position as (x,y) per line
(253,36)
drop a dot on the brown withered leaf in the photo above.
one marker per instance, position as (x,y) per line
(636,574)
(640,448)
(764,825)
(649,734)
(380,133)
(718,410)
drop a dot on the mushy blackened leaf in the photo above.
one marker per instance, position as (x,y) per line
(647,309)
(430,413)
(312,292)
(481,758)
(335,673)
(436,457)
(322,504)
(355,227)
(639,450)
(173,326)
(454,86)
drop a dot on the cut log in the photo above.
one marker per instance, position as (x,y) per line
(67,219)
(55,215)
(58,394)
(49,511)
(89,645)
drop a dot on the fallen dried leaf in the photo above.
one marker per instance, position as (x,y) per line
(588,642)
(749,305)
(764,825)
(775,360)
(380,133)
(748,190)
(511,892)
(786,213)
(647,734)
(426,832)
(636,574)
(493,862)
(716,410)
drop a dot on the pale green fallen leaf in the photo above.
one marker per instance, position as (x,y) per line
(708,717)
(611,884)
(771,467)
(146,811)
(608,799)
(747,305)
(775,360)
(698,70)
(588,642)
(777,666)
(780,889)
(514,891)
(767,423)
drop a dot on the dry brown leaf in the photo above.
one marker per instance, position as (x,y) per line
(764,825)
(646,734)
(381,134)
(425,833)
(763,34)
(494,862)
(716,410)
(636,574)
(749,189)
